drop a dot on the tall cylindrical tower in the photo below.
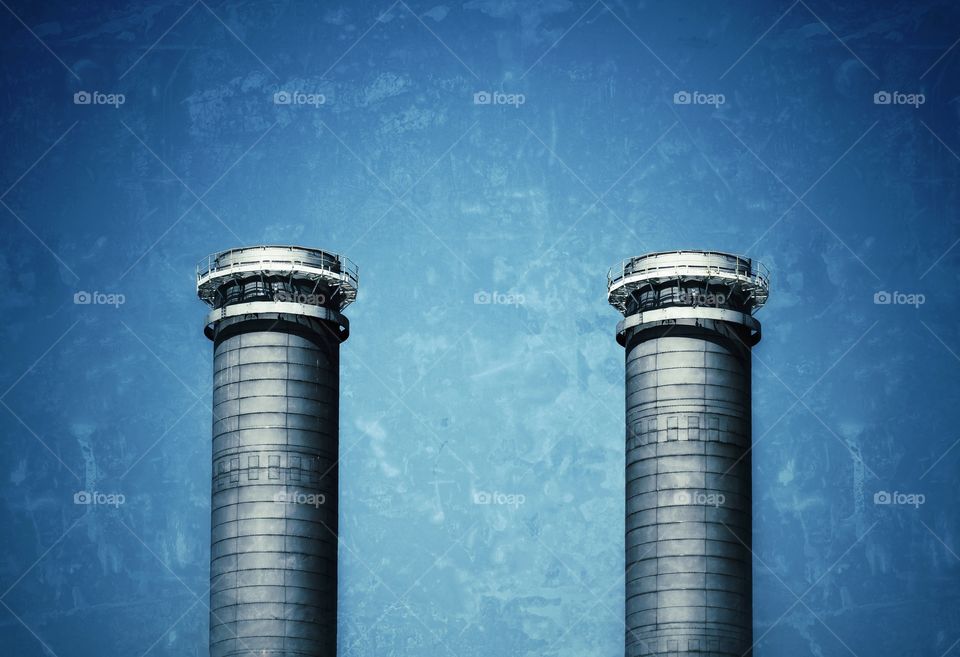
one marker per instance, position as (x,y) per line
(687,331)
(276,329)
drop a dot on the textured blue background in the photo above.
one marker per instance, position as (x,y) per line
(438,199)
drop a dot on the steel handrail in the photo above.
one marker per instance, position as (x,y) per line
(228,260)
(741,268)
(752,276)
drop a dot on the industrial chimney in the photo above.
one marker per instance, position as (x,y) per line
(276,327)
(687,332)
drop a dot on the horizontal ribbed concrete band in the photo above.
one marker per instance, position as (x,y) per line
(279,308)
(651,317)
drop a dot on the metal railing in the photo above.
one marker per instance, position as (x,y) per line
(631,274)
(691,263)
(278,257)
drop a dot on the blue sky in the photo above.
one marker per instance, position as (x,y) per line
(501,151)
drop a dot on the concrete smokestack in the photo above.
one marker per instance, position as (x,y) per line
(687,332)
(276,327)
